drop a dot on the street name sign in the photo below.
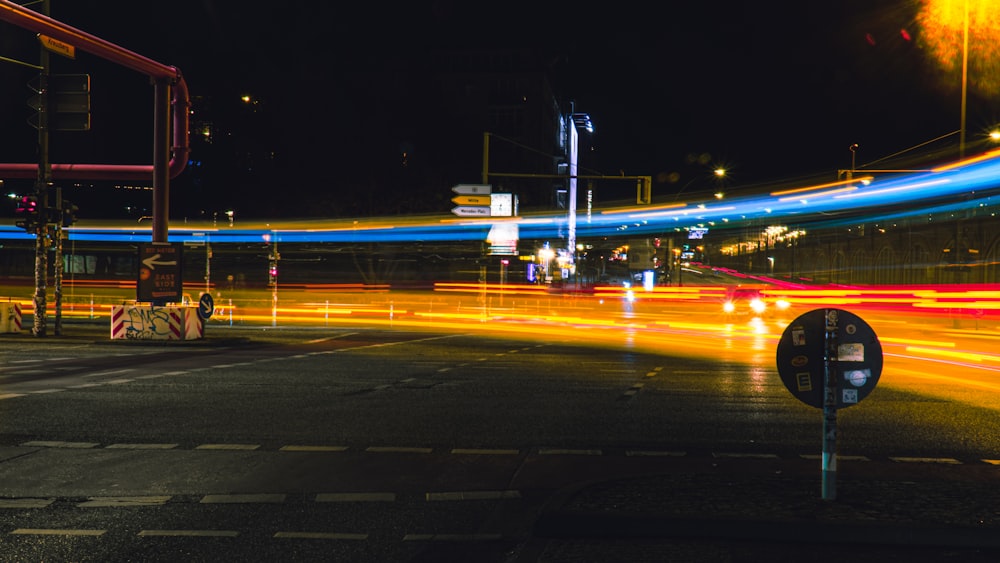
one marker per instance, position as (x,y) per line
(471,211)
(56,46)
(472,199)
(472,189)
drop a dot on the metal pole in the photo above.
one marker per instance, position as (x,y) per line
(965,78)
(57,258)
(486,157)
(44,178)
(161,159)
(830,407)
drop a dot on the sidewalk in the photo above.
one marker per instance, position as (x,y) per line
(741,516)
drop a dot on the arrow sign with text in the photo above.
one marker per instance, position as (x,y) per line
(471,211)
(473,189)
(160,279)
(471,200)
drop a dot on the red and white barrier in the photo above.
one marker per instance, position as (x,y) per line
(10,317)
(143,321)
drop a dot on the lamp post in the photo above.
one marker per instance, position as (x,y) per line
(583,120)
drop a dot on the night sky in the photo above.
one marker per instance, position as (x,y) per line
(773,91)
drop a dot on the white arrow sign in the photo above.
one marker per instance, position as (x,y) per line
(471,211)
(472,189)
(153,261)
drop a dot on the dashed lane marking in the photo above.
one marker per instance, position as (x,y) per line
(473,495)
(11,395)
(57,444)
(56,532)
(356,497)
(257,498)
(237,447)
(942,460)
(839,457)
(452,537)
(654,453)
(141,446)
(479,451)
(399,449)
(321,536)
(313,449)
(743,455)
(564,451)
(115,502)
(190,533)
(107,373)
(25,502)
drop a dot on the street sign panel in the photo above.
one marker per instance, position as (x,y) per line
(63,102)
(159,278)
(802,358)
(471,211)
(206,306)
(64,121)
(472,189)
(57,46)
(471,199)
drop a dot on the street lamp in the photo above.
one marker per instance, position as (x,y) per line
(719,173)
(583,121)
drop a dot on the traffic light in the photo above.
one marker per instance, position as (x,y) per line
(69,212)
(27,213)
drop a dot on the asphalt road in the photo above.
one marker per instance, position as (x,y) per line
(374,445)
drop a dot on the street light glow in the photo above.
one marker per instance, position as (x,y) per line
(943,22)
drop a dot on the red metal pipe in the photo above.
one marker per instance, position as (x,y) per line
(181,102)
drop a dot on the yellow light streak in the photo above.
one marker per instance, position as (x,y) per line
(818,187)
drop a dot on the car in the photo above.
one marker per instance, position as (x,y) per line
(751,302)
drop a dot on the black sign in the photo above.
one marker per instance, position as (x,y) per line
(803,357)
(160,279)
(206,306)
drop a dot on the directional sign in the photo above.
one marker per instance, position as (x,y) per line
(471,199)
(471,211)
(472,189)
(206,306)
(57,46)
(160,278)
(63,102)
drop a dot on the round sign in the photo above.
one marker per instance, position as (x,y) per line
(206,306)
(853,356)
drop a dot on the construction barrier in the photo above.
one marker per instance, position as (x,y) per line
(144,321)
(10,317)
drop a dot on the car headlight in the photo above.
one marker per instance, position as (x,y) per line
(728,307)
(757,306)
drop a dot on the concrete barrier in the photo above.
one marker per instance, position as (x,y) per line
(10,317)
(144,321)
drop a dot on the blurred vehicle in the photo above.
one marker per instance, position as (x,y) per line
(751,302)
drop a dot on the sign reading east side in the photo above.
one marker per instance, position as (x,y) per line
(160,279)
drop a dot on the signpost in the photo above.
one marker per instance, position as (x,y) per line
(160,279)
(829,359)
(473,200)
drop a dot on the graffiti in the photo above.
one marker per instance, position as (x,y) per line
(148,323)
